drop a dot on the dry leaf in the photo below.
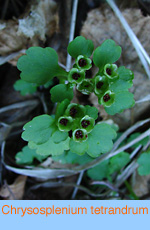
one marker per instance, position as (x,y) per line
(15,190)
(40,20)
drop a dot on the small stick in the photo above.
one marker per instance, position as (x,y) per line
(145,59)
(72,30)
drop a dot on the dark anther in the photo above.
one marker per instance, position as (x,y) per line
(106,97)
(99,85)
(108,71)
(63,121)
(70,133)
(86,86)
(79,134)
(76,76)
(73,112)
(82,62)
(85,123)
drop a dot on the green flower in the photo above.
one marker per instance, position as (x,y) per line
(65,123)
(80,135)
(101,84)
(87,123)
(86,87)
(83,62)
(75,110)
(107,99)
(76,76)
(110,70)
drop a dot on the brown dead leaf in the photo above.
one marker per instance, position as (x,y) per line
(40,20)
(14,191)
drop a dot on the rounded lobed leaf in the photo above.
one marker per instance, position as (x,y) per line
(24,87)
(100,139)
(80,46)
(39,129)
(39,65)
(123,100)
(107,53)
(61,92)
(27,155)
(144,164)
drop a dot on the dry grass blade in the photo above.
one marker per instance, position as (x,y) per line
(72,30)
(145,59)
(19,105)
(5,59)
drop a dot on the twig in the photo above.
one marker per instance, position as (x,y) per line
(127,132)
(5,59)
(78,183)
(145,99)
(72,30)
(145,59)
(19,105)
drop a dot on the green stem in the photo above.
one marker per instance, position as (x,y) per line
(131,190)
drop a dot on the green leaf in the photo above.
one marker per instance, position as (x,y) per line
(143,142)
(117,162)
(120,85)
(51,148)
(107,53)
(100,171)
(59,136)
(39,129)
(100,139)
(61,92)
(61,107)
(27,155)
(91,111)
(24,87)
(123,100)
(78,147)
(144,164)
(125,74)
(80,46)
(69,157)
(39,65)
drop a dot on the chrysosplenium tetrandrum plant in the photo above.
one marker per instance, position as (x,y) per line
(74,126)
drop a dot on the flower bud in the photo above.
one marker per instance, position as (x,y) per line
(83,62)
(110,70)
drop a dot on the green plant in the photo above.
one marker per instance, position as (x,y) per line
(74,127)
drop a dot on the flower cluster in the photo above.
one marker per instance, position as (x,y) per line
(99,84)
(76,122)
